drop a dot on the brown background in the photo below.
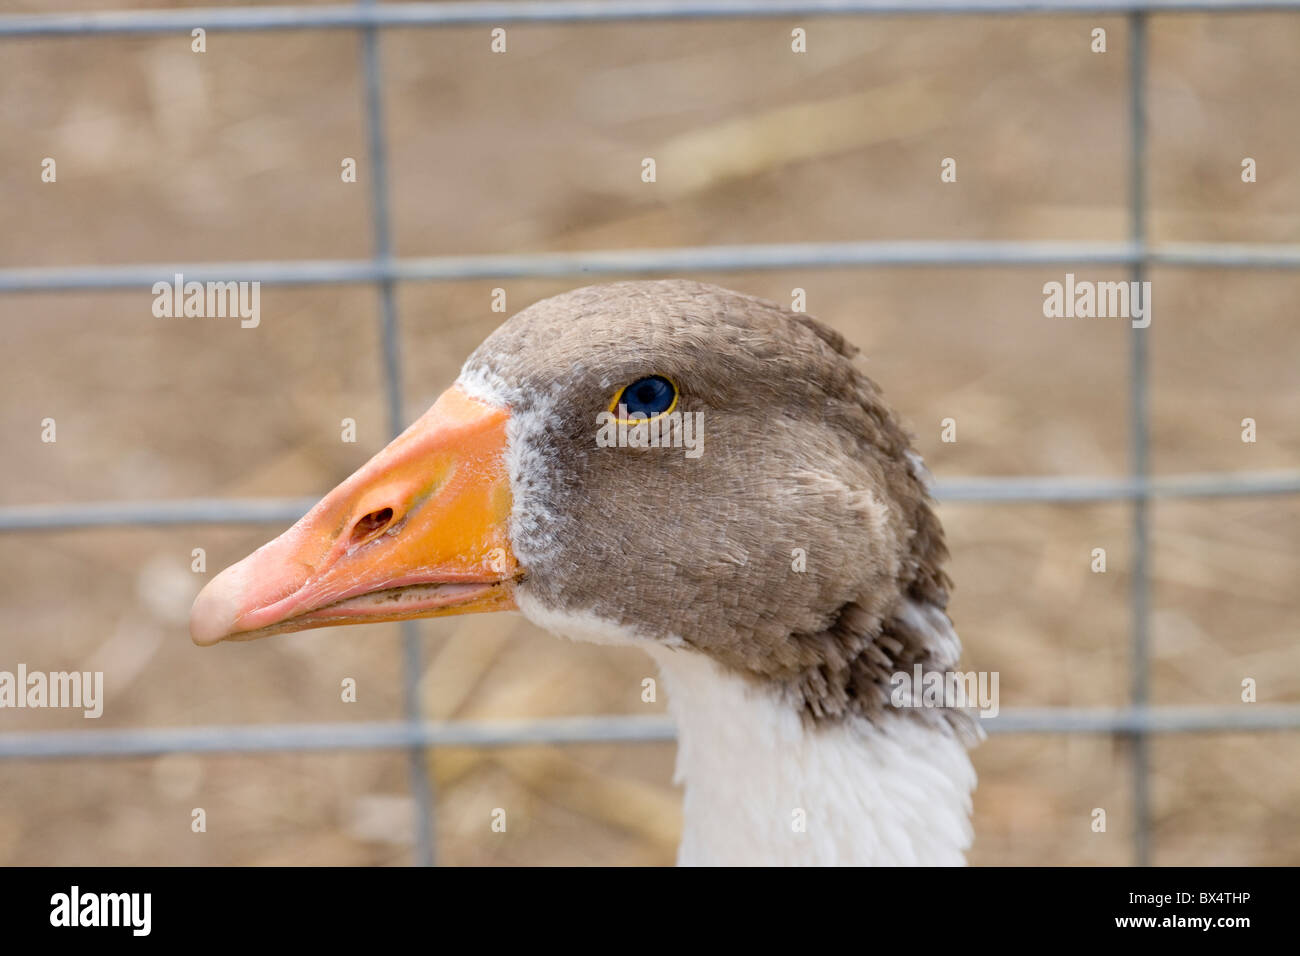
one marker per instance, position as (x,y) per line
(164,155)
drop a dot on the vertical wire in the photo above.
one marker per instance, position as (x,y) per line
(1139,436)
(421,787)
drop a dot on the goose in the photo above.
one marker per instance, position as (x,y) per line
(778,572)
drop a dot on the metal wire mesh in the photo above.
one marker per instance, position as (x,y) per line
(415,735)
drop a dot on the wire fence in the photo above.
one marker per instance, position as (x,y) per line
(1136,722)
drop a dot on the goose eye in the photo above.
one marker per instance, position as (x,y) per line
(651,396)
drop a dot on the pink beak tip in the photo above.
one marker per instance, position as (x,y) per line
(215,610)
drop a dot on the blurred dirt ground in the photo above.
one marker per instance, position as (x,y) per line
(164,155)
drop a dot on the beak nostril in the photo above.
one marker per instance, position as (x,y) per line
(368,526)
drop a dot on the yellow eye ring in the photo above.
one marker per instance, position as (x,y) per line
(659,387)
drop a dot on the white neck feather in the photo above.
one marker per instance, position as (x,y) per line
(763,788)
(870,796)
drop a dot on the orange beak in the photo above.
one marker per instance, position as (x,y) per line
(419,531)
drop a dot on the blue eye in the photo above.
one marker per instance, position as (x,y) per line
(651,396)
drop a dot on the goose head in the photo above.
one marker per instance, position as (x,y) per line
(696,471)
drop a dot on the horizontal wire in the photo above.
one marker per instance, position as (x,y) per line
(568,11)
(155,513)
(401,735)
(791,255)
(1068,489)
